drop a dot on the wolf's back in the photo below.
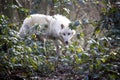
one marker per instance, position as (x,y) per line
(32,20)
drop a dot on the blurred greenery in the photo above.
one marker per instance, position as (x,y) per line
(26,59)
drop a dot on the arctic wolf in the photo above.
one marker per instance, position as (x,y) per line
(52,27)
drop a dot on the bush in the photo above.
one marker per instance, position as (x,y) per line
(26,59)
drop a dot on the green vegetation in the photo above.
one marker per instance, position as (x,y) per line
(98,60)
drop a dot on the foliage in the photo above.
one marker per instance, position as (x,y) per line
(26,59)
(111,23)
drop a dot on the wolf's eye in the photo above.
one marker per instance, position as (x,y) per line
(68,33)
(64,34)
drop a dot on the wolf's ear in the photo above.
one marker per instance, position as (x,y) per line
(73,32)
(62,26)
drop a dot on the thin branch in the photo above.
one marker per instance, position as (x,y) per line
(18,3)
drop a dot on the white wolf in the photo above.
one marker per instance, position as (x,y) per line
(53,27)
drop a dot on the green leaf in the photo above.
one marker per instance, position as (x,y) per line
(103,60)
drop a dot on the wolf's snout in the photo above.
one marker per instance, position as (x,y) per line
(66,42)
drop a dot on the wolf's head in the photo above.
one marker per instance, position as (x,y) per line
(66,34)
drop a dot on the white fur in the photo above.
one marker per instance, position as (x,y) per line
(32,20)
(57,28)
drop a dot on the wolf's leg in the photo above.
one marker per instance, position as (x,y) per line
(23,32)
(44,47)
(56,42)
(42,38)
